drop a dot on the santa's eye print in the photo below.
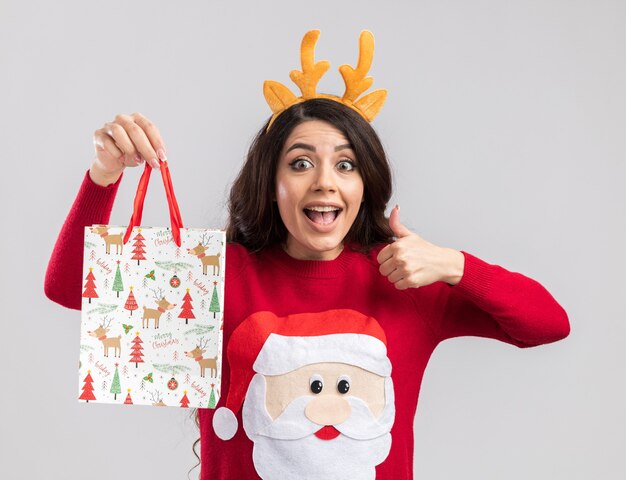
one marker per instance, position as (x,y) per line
(316,384)
(343,384)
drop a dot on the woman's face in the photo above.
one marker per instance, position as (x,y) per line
(319,190)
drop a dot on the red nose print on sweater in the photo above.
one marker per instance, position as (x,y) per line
(327,433)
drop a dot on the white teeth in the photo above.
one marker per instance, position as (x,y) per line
(323,209)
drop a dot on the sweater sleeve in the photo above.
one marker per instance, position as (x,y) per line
(493,302)
(93,205)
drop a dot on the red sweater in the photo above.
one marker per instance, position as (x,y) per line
(489,301)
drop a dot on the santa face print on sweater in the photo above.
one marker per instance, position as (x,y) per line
(319,435)
(316,394)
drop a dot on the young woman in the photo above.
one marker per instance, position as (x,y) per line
(331,309)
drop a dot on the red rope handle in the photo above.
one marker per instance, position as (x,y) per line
(175,218)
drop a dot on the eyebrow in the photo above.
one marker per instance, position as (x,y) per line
(306,146)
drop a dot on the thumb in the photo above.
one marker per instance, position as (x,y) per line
(397,228)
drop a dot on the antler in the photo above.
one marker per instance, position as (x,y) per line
(278,96)
(153,394)
(357,82)
(108,322)
(155,295)
(202,343)
(204,240)
(308,78)
(354,78)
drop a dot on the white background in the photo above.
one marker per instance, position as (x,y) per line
(505,124)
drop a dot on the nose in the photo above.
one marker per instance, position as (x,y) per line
(324,179)
(328,410)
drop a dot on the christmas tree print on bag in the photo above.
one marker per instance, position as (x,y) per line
(151,319)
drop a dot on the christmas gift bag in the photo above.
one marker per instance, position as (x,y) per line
(151,319)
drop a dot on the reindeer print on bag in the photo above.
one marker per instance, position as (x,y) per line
(155,313)
(101,334)
(207,260)
(139,344)
(204,363)
(109,239)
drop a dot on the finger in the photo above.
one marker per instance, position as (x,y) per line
(133,161)
(387,267)
(138,139)
(153,134)
(122,141)
(397,228)
(142,147)
(401,285)
(405,283)
(102,141)
(396,276)
(385,254)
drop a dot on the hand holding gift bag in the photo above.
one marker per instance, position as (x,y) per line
(151,318)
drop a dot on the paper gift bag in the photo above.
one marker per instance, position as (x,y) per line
(151,319)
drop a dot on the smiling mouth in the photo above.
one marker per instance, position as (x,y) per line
(322,215)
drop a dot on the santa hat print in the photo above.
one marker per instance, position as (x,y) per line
(270,345)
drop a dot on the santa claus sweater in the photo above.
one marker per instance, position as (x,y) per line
(489,301)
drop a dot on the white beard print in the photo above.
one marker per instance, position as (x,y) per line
(286,448)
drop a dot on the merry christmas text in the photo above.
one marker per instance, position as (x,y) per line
(163,340)
(163,238)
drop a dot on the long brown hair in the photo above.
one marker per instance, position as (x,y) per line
(254,219)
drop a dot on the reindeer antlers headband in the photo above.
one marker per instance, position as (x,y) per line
(280,98)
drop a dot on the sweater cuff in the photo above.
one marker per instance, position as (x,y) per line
(477,277)
(94,197)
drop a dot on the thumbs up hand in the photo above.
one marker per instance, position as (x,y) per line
(412,262)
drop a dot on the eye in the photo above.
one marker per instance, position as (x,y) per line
(316,384)
(346,165)
(300,163)
(343,384)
